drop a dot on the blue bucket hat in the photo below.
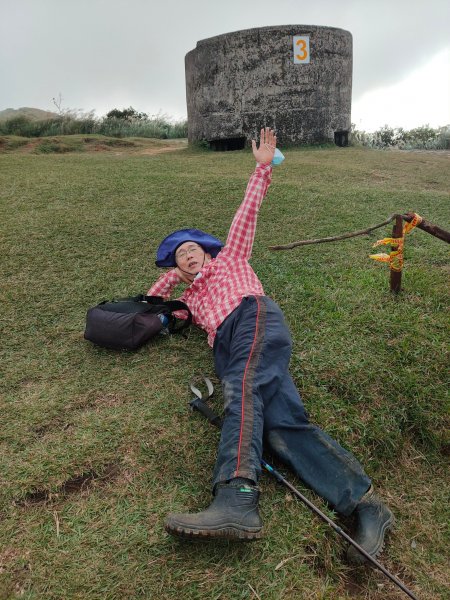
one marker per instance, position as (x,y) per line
(165,255)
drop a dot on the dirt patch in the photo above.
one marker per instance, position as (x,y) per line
(69,144)
(54,425)
(30,146)
(445,153)
(114,142)
(10,143)
(153,151)
(75,485)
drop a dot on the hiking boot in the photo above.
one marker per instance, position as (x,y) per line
(374,519)
(232,515)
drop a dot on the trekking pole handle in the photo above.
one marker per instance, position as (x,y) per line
(197,404)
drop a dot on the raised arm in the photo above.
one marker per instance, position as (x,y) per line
(165,284)
(242,231)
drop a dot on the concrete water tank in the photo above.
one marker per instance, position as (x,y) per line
(295,78)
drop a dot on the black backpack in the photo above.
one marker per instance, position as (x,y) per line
(128,323)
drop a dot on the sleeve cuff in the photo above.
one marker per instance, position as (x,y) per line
(264,168)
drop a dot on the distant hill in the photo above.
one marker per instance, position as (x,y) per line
(34,114)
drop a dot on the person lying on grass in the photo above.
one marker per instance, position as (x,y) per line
(252,348)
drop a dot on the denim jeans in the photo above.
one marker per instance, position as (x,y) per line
(251,354)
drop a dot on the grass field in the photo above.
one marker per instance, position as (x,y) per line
(98,446)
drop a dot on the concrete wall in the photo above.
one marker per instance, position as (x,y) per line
(241,81)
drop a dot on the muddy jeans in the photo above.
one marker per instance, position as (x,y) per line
(251,353)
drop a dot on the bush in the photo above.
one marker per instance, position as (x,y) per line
(157,126)
(444,137)
(424,137)
(50,146)
(114,124)
(16,126)
(127,114)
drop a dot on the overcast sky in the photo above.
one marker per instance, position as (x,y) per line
(104,54)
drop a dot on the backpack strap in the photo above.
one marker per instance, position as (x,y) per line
(149,299)
(173,305)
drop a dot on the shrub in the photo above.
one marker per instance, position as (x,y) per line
(49,146)
(424,137)
(16,126)
(157,126)
(444,137)
(127,114)
(117,123)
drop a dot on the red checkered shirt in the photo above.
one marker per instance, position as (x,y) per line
(222,284)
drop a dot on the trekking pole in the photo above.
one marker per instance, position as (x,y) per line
(199,405)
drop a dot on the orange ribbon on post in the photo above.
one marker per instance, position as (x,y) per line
(397,242)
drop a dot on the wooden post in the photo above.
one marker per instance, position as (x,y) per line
(430,228)
(396,276)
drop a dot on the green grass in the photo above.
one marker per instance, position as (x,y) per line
(62,144)
(98,446)
(12,142)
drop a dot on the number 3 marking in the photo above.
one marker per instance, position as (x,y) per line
(304,52)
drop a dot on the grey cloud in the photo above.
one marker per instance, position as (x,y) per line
(100,54)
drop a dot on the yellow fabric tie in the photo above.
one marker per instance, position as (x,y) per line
(395,258)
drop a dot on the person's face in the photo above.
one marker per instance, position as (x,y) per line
(190,257)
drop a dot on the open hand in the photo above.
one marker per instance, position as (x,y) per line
(268,143)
